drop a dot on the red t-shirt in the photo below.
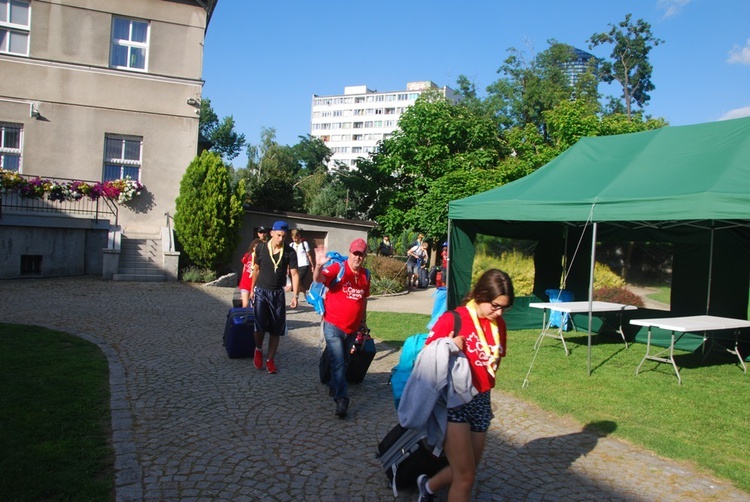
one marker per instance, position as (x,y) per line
(478,358)
(246,280)
(346,300)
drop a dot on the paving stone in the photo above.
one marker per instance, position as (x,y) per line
(191,424)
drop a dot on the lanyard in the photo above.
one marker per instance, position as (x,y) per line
(275,262)
(492,351)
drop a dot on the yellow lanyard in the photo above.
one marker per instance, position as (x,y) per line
(275,262)
(493,351)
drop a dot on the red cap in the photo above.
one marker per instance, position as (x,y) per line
(358,245)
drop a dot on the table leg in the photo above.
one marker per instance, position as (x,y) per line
(545,332)
(657,357)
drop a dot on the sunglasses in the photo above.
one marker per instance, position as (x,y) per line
(357,253)
(495,307)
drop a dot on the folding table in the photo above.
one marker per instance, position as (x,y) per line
(573,308)
(698,323)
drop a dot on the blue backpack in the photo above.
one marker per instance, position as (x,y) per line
(316,294)
(409,352)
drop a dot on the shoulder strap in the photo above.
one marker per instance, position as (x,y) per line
(456,322)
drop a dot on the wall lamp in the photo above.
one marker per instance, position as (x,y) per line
(193,102)
(34,111)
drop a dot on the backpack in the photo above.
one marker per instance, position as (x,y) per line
(412,346)
(316,294)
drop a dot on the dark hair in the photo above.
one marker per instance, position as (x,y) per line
(491,284)
(253,245)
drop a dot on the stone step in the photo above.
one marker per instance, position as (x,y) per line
(140,277)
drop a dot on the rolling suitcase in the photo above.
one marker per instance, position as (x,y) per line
(363,352)
(239,333)
(424,279)
(405,455)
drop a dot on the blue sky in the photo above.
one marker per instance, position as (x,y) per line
(263,61)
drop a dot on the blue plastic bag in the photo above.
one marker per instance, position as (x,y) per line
(559,319)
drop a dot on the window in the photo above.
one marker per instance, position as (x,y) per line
(129,44)
(122,157)
(31,264)
(15,16)
(10,146)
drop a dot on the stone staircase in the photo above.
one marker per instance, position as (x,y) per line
(140,259)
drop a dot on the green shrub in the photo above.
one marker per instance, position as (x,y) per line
(520,267)
(197,274)
(388,275)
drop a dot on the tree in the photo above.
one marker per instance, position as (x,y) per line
(226,141)
(532,85)
(208,212)
(434,138)
(629,66)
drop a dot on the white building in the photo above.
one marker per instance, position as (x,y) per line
(352,124)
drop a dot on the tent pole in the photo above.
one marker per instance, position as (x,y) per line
(565,259)
(710,266)
(591,286)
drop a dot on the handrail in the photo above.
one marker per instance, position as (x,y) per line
(169,231)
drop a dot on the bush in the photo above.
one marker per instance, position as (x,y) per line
(388,275)
(521,270)
(197,274)
(618,295)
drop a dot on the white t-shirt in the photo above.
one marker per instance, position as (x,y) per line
(302,249)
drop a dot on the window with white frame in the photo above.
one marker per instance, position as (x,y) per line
(15,19)
(11,141)
(122,157)
(129,44)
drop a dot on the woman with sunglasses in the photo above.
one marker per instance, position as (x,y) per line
(482,339)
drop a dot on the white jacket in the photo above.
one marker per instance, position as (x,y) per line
(441,379)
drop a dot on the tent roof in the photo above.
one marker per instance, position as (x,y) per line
(696,172)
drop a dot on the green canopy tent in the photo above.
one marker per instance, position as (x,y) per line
(686,185)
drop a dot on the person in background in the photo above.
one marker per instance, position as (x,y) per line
(444,263)
(385,248)
(345,314)
(273,260)
(304,260)
(482,339)
(262,234)
(246,278)
(416,258)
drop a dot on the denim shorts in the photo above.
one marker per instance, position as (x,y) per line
(477,413)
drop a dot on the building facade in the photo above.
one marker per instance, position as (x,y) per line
(352,124)
(96,90)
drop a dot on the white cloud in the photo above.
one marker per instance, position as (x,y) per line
(736,113)
(671,7)
(739,54)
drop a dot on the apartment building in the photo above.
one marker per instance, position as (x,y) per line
(97,90)
(352,124)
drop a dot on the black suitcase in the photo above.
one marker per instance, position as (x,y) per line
(359,360)
(424,279)
(239,333)
(405,455)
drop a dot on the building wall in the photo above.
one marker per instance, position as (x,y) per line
(80,98)
(352,124)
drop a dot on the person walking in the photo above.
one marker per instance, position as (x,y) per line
(273,260)
(262,234)
(304,260)
(416,257)
(385,248)
(246,278)
(482,339)
(345,314)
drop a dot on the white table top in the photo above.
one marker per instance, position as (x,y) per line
(578,307)
(693,323)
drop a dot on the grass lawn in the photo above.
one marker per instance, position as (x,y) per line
(54,417)
(704,420)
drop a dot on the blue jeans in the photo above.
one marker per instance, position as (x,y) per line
(339,346)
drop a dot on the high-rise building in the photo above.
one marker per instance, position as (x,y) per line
(579,65)
(352,124)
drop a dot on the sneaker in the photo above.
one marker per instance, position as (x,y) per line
(424,495)
(271,367)
(341,407)
(258,359)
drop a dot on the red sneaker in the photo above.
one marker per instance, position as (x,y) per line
(258,359)
(271,367)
